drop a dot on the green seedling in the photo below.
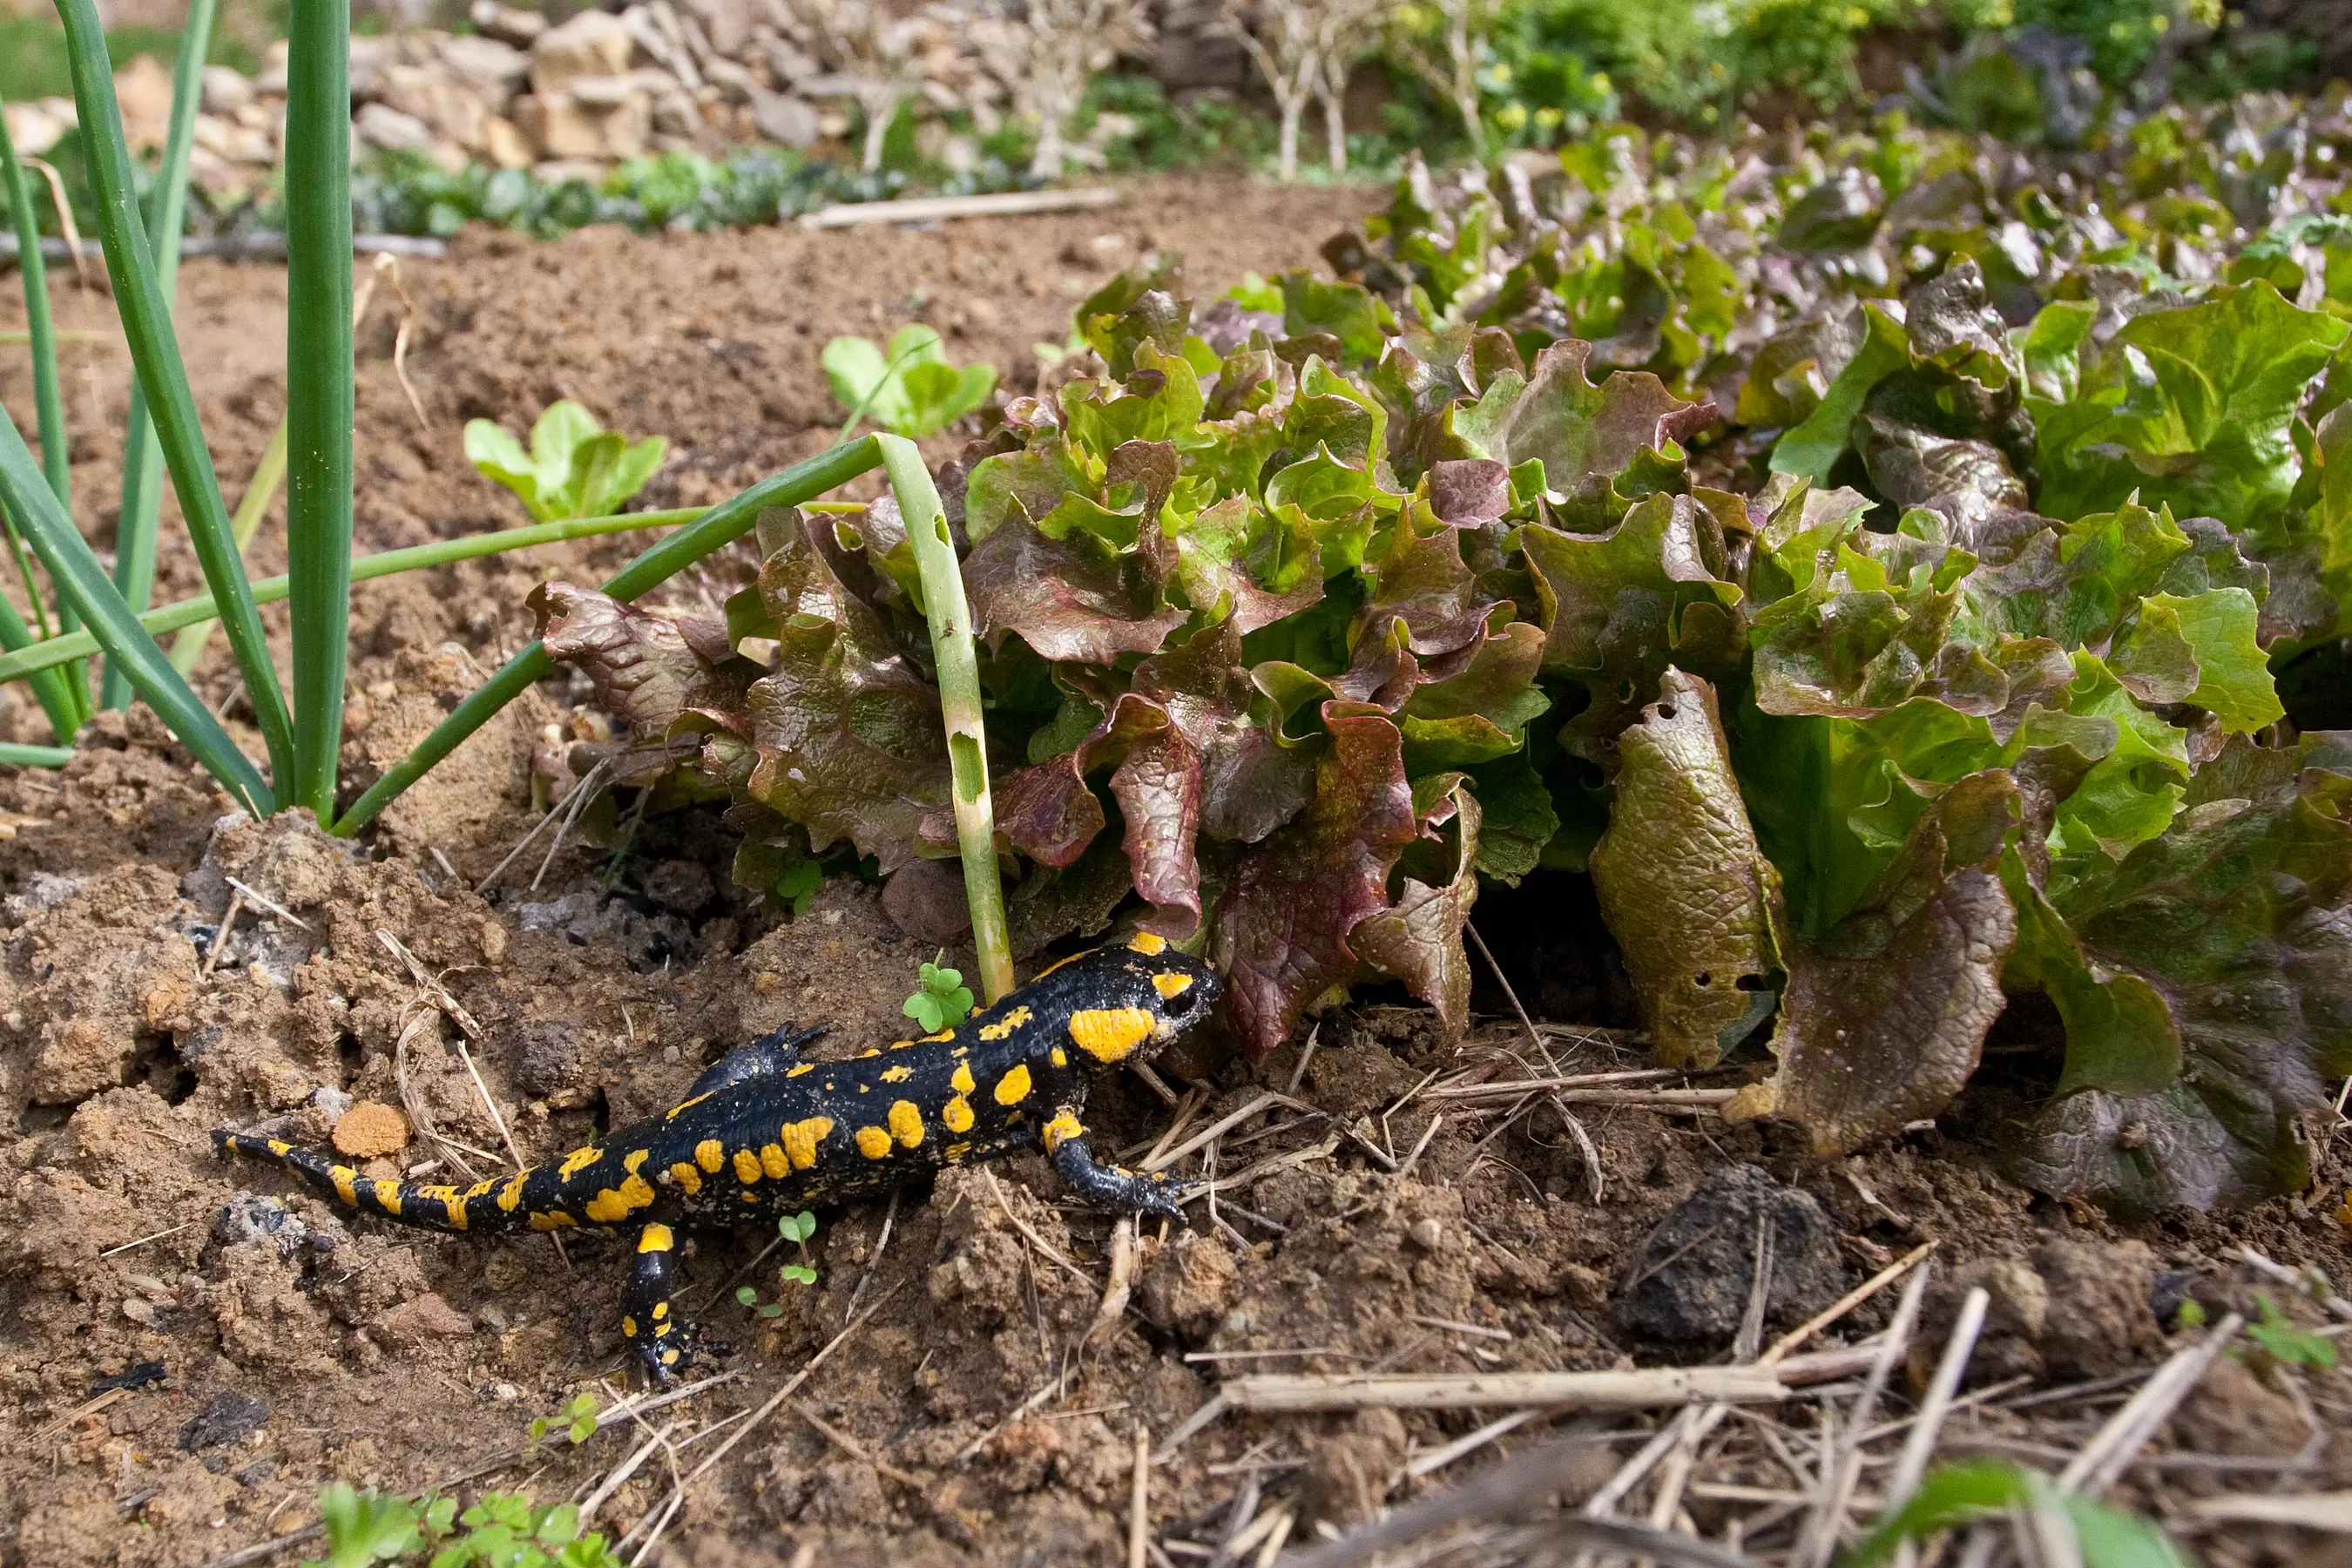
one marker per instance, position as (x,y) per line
(2190,1316)
(575,468)
(943,1002)
(908,389)
(2280,1340)
(1959,1494)
(797,887)
(502,1530)
(576,1420)
(797,1228)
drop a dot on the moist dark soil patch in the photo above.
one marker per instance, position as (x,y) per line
(980,1413)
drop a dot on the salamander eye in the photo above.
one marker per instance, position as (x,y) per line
(1182,1003)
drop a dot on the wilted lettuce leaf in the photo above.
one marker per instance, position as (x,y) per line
(648,669)
(1281,934)
(2238,919)
(2190,408)
(1418,939)
(1885,1016)
(1691,900)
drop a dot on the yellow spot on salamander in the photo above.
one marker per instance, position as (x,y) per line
(1006,1025)
(576,1161)
(1058,964)
(1058,1056)
(657,1238)
(800,1139)
(956,1114)
(747,1166)
(962,1080)
(451,1203)
(1061,1130)
(1170,984)
(1111,1034)
(941,1034)
(689,1179)
(804,1066)
(553,1219)
(956,1151)
(710,1154)
(634,1194)
(875,1051)
(1013,1086)
(661,1311)
(684,1106)
(899,1073)
(773,1160)
(346,1182)
(669,1358)
(479,1188)
(280,1147)
(628,1326)
(1148,945)
(874,1143)
(907,1122)
(510,1195)
(387,1197)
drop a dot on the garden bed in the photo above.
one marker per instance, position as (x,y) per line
(976,1412)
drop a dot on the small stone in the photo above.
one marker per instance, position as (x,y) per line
(371,1130)
(1695,1272)
(494,942)
(1188,1286)
(228,1417)
(427,1317)
(1426,1233)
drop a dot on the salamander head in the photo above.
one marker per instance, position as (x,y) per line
(1127,1001)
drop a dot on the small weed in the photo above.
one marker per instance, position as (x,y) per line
(797,1228)
(503,1530)
(2281,1341)
(943,1002)
(797,887)
(575,468)
(576,1421)
(910,389)
(2190,1317)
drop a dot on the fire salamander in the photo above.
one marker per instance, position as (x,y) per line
(764,1132)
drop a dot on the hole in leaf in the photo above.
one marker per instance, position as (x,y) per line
(1703,979)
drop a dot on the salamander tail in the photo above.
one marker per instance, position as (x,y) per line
(474,1208)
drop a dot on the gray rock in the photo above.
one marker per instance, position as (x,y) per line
(1695,1272)
(228,1417)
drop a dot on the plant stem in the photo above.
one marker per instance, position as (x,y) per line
(945,606)
(82,583)
(40,336)
(720,526)
(188,647)
(25,756)
(319,393)
(48,401)
(142,471)
(199,611)
(147,327)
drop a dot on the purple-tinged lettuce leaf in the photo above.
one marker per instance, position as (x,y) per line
(1076,900)
(1691,900)
(1574,428)
(1073,598)
(1885,1016)
(1620,607)
(1467,491)
(1281,932)
(1812,448)
(2239,917)
(1250,785)
(846,730)
(1418,940)
(659,675)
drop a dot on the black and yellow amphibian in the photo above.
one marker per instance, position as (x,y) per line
(765,1132)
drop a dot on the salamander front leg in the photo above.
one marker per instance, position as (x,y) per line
(649,1320)
(1108,1186)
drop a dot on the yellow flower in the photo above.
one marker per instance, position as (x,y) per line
(1511,116)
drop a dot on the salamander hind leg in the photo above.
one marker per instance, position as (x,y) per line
(663,1341)
(1108,1186)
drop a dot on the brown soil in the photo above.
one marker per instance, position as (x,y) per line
(297,1346)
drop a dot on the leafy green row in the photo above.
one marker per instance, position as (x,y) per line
(1866,566)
